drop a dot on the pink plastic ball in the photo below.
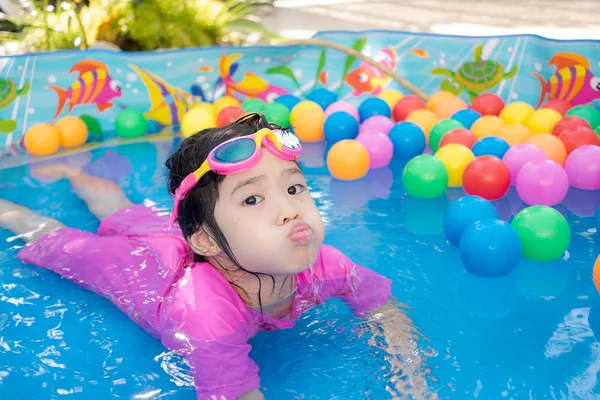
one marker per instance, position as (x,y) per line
(342,106)
(377,123)
(583,167)
(516,157)
(380,148)
(543,183)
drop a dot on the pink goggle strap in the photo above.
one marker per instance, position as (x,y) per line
(186,185)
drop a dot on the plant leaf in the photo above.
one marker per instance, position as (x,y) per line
(285,71)
(319,67)
(358,46)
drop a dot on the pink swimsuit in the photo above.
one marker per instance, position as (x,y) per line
(144,268)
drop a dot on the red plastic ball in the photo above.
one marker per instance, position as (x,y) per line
(459,136)
(406,105)
(487,177)
(578,137)
(228,115)
(560,105)
(488,104)
(569,124)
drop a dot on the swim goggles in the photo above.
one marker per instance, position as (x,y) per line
(238,155)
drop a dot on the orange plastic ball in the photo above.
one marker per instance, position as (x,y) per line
(551,145)
(348,160)
(309,126)
(488,125)
(42,140)
(73,131)
(596,274)
(438,98)
(446,109)
(424,119)
(514,134)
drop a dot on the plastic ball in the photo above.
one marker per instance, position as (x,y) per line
(348,160)
(450,107)
(568,124)
(581,136)
(254,105)
(408,139)
(583,168)
(462,213)
(490,146)
(516,157)
(73,131)
(278,114)
(543,182)
(41,140)
(596,272)
(425,119)
(516,113)
(490,248)
(488,104)
(340,126)
(514,134)
(228,115)
(544,233)
(308,122)
(439,130)
(425,177)
(391,97)
(587,113)
(196,120)
(597,219)
(542,120)
(466,117)
(93,126)
(380,148)
(406,106)
(303,109)
(322,97)
(288,100)
(487,177)
(373,106)
(378,123)
(438,98)
(459,136)
(488,125)
(131,123)
(343,106)
(225,102)
(560,105)
(551,145)
(455,157)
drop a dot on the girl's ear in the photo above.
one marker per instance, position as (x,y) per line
(203,244)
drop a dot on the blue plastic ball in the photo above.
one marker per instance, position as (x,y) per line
(373,106)
(462,213)
(490,146)
(490,248)
(287,100)
(340,126)
(598,220)
(466,117)
(408,139)
(322,97)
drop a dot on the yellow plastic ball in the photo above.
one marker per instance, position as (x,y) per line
(425,119)
(391,97)
(514,134)
(516,113)
(446,109)
(438,98)
(73,131)
(348,160)
(455,157)
(302,109)
(206,106)
(224,102)
(487,125)
(542,120)
(42,140)
(196,120)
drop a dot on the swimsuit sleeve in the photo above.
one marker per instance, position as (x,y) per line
(361,288)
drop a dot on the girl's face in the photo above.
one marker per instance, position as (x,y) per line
(269,218)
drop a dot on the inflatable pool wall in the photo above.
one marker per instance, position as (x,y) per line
(43,87)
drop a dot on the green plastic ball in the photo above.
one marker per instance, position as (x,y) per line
(254,106)
(131,123)
(440,129)
(587,113)
(544,232)
(425,177)
(278,114)
(597,130)
(94,129)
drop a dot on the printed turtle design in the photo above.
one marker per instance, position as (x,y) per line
(475,76)
(8,93)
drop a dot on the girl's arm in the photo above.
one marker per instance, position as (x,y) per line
(253,395)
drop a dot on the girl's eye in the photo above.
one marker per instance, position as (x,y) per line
(252,201)
(296,189)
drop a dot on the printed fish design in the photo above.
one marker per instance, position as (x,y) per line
(251,85)
(94,85)
(573,80)
(8,93)
(367,79)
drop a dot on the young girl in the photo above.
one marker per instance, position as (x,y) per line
(247,255)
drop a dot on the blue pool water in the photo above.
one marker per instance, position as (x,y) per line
(528,335)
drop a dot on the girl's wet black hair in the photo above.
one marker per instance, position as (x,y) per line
(197,208)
